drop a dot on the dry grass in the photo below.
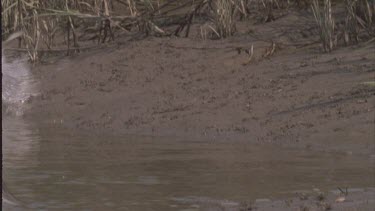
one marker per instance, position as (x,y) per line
(359,18)
(268,9)
(326,24)
(366,15)
(46,22)
(223,11)
(351,33)
(42,20)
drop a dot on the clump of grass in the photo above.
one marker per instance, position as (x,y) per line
(268,10)
(241,7)
(326,24)
(222,15)
(360,18)
(223,11)
(35,20)
(351,31)
(22,15)
(32,35)
(42,20)
(132,8)
(366,15)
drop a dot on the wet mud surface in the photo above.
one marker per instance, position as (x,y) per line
(357,199)
(188,87)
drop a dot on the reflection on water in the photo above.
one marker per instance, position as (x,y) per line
(48,168)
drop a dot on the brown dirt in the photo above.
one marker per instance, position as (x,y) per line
(200,89)
(357,199)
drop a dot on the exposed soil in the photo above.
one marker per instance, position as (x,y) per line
(201,89)
(357,199)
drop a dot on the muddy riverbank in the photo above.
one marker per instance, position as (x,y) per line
(356,199)
(167,123)
(201,89)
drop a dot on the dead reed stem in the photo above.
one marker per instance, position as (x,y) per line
(326,24)
(42,21)
(224,17)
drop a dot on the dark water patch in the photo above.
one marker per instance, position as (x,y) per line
(52,169)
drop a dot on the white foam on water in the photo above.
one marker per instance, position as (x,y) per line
(18,84)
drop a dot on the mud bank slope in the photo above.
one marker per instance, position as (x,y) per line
(357,199)
(194,88)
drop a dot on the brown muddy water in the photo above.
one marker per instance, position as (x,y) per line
(47,168)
